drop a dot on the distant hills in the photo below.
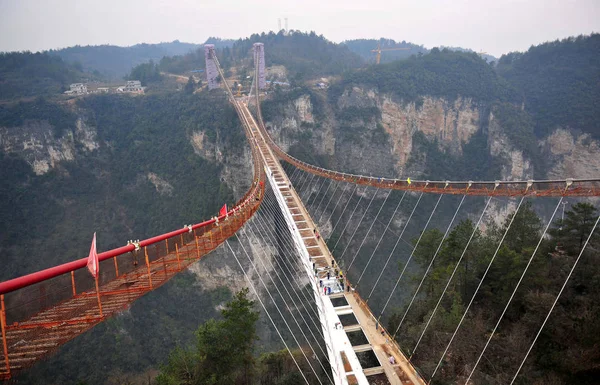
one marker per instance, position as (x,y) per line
(488,58)
(26,74)
(365,47)
(115,62)
(319,55)
(558,83)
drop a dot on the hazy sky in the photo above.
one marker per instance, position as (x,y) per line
(495,26)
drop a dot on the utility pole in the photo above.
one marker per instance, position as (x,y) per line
(286,26)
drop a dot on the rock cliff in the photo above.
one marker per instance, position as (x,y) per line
(36,142)
(449,124)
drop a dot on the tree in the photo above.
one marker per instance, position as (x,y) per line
(146,73)
(453,249)
(224,349)
(525,229)
(425,252)
(574,231)
(190,87)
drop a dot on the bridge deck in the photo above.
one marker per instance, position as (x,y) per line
(379,344)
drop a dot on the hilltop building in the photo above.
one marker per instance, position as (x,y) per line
(133,86)
(77,89)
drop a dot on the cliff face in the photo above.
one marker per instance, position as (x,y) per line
(450,125)
(36,143)
(351,140)
(571,155)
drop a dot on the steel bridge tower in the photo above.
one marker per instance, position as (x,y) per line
(212,74)
(259,59)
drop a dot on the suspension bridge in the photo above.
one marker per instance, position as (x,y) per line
(291,205)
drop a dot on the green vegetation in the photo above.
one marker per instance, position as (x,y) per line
(26,74)
(224,349)
(146,73)
(115,62)
(224,353)
(442,73)
(183,63)
(558,83)
(567,349)
(108,189)
(41,109)
(220,43)
(475,163)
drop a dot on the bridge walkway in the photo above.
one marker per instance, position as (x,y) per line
(379,343)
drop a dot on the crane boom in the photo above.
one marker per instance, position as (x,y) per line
(378,51)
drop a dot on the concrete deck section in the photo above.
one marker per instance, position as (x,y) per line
(345,364)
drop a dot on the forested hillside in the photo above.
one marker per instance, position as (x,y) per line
(108,186)
(558,83)
(127,168)
(567,349)
(115,62)
(364,48)
(26,74)
(441,73)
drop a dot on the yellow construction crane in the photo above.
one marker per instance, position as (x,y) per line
(379,50)
(239,91)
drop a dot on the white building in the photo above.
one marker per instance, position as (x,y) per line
(133,86)
(77,89)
